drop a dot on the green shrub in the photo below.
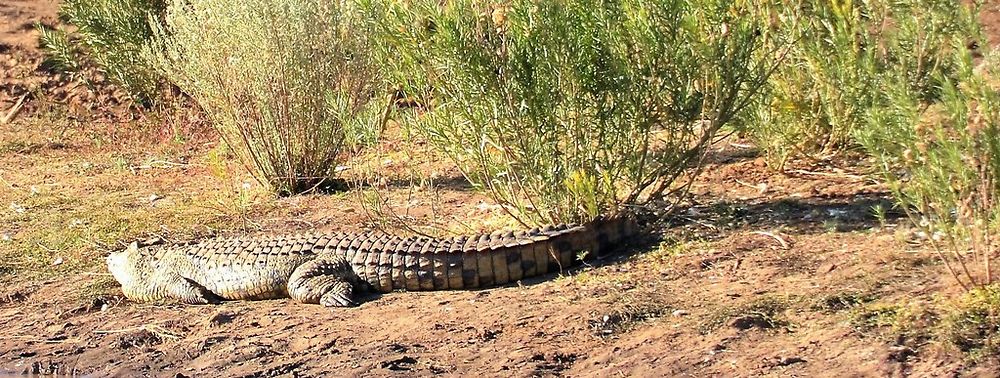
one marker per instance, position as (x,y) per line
(283,81)
(563,110)
(942,161)
(835,53)
(112,35)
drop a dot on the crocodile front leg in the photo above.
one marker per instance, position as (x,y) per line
(188,291)
(327,281)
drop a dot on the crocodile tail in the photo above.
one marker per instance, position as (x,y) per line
(470,262)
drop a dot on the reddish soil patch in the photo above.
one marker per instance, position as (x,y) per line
(18,19)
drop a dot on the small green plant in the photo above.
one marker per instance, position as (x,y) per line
(110,34)
(285,82)
(879,212)
(973,325)
(941,162)
(842,301)
(873,317)
(563,110)
(837,53)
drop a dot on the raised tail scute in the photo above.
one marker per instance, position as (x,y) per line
(470,262)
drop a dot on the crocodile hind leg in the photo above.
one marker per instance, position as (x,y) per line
(327,281)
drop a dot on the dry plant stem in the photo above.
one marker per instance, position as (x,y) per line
(390,217)
(953,242)
(954,246)
(974,241)
(937,249)
(387,111)
(988,255)
(13,110)
(780,240)
(986,184)
(824,174)
(717,123)
(493,190)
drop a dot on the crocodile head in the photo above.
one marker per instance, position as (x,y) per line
(127,265)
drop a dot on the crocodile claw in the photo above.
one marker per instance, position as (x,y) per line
(337,300)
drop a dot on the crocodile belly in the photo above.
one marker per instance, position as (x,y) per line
(247,283)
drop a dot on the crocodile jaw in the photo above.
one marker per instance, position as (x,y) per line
(121,267)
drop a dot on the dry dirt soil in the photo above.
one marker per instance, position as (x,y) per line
(765,275)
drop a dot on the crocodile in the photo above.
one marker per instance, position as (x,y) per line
(332,269)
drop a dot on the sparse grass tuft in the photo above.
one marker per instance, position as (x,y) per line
(628,317)
(761,312)
(893,321)
(61,210)
(842,301)
(973,324)
(874,317)
(101,287)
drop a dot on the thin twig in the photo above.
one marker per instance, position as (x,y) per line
(784,244)
(47,249)
(95,274)
(824,174)
(705,224)
(42,339)
(759,187)
(163,164)
(157,330)
(14,110)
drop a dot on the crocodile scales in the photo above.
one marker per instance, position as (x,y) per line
(329,269)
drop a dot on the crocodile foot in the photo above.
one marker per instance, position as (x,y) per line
(328,281)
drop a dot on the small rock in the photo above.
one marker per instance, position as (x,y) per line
(58,261)
(104,307)
(750,321)
(785,361)
(900,353)
(716,349)
(153,197)
(826,268)
(679,313)
(223,317)
(404,363)
(15,207)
